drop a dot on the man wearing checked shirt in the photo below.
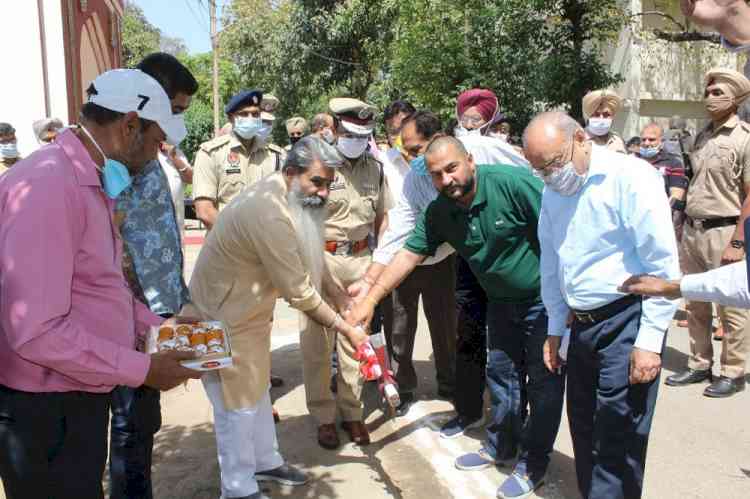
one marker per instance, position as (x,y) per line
(603,218)
(489,216)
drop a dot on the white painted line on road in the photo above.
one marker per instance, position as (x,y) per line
(442,454)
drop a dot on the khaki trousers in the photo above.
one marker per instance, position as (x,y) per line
(317,345)
(702,251)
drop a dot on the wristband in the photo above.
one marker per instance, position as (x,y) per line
(181,170)
(678,205)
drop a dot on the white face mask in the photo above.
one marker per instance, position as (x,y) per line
(9,150)
(352,147)
(599,126)
(328,136)
(460,131)
(566,181)
(498,135)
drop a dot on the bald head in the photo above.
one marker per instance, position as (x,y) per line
(452,169)
(548,140)
(446,143)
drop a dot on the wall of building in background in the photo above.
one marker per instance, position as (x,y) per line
(662,79)
(54,48)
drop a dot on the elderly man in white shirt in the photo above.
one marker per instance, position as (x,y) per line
(604,217)
(418,192)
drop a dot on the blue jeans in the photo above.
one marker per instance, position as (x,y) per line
(136,417)
(610,419)
(515,340)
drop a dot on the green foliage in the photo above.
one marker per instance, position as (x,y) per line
(139,37)
(535,54)
(200,126)
(201,65)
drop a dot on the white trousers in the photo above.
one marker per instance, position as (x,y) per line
(245,441)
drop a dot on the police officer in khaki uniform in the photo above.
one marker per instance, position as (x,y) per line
(600,108)
(296,128)
(8,147)
(357,206)
(717,206)
(224,166)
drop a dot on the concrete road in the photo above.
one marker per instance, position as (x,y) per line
(699,447)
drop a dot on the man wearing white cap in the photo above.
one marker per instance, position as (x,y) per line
(358,205)
(68,322)
(600,108)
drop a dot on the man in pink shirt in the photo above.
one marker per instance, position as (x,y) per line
(68,322)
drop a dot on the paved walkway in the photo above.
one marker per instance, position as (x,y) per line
(699,447)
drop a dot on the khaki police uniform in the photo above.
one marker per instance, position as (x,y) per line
(6,163)
(358,195)
(224,166)
(721,169)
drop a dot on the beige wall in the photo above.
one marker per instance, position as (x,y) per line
(661,79)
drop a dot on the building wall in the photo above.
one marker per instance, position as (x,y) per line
(661,79)
(54,48)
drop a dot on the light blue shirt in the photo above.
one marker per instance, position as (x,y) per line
(419,191)
(618,225)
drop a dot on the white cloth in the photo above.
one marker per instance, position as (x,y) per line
(619,224)
(176,187)
(725,285)
(245,440)
(418,192)
(395,168)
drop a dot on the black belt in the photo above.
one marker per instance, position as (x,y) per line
(605,312)
(712,223)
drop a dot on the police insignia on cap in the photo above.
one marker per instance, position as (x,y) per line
(365,113)
(255,100)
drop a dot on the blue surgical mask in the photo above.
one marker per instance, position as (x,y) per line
(649,152)
(115,175)
(9,150)
(264,133)
(247,127)
(419,166)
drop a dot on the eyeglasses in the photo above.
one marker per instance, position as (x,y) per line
(472,121)
(556,164)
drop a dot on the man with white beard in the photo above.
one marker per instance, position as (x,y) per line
(266,243)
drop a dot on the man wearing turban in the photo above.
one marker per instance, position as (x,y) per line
(475,111)
(599,109)
(718,205)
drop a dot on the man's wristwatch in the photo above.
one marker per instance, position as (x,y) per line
(737,244)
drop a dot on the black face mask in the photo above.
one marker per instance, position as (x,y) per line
(294,140)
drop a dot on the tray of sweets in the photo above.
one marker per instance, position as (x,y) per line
(209,341)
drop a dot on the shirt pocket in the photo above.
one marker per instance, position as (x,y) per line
(231,185)
(724,166)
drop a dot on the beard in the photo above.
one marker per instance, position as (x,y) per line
(133,157)
(456,191)
(308,219)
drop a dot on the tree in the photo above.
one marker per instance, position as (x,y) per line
(139,37)
(535,54)
(201,65)
(173,45)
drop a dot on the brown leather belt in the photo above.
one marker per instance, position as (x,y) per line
(346,247)
(712,223)
(606,311)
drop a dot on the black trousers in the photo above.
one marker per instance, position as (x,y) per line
(610,419)
(136,417)
(471,348)
(53,445)
(435,284)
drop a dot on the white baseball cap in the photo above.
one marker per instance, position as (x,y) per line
(132,90)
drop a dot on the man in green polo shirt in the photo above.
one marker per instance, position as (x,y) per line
(489,215)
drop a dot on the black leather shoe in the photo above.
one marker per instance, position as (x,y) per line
(407,400)
(725,387)
(689,376)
